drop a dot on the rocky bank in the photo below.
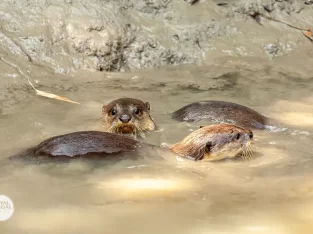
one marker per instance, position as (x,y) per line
(41,37)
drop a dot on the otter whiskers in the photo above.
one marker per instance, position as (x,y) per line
(247,152)
(112,129)
(136,132)
(140,132)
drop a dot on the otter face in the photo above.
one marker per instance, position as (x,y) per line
(127,116)
(216,142)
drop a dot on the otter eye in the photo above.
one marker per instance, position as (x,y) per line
(137,111)
(238,136)
(208,147)
(113,112)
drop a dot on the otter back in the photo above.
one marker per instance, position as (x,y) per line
(80,144)
(222,112)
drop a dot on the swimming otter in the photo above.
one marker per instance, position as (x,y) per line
(213,142)
(222,112)
(127,116)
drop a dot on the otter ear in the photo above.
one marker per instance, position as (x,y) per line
(201,126)
(147,104)
(104,109)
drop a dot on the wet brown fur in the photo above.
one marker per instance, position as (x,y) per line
(139,123)
(194,145)
(222,112)
(86,143)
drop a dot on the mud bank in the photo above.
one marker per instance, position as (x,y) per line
(53,41)
(109,35)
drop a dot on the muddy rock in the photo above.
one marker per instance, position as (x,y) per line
(65,35)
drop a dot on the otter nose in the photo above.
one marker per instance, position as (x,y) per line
(250,134)
(125,118)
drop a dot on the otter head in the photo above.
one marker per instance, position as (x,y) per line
(216,142)
(127,116)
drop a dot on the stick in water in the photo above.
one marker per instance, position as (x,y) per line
(38,92)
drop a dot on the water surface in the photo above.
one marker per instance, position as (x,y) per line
(272,193)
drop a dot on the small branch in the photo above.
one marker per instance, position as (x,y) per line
(38,92)
(256,16)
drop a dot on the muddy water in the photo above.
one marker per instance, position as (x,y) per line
(272,193)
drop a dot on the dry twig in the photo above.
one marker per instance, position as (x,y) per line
(38,92)
(257,17)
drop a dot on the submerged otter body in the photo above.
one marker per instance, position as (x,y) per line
(213,142)
(80,144)
(222,112)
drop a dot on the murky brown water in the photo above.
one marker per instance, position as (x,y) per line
(270,194)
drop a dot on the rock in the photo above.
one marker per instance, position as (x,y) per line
(271,49)
(110,35)
(308,2)
(191,2)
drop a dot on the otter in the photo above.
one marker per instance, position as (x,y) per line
(214,142)
(222,112)
(127,116)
